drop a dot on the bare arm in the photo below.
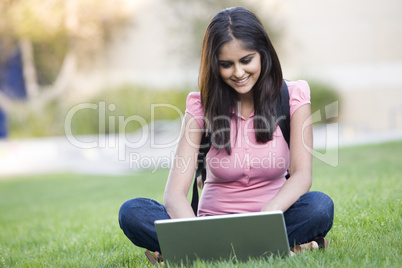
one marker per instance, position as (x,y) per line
(182,171)
(300,179)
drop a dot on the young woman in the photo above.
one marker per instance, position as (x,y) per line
(240,78)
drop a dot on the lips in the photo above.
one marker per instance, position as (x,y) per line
(241,82)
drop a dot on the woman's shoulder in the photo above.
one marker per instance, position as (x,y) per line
(299,94)
(298,86)
(194,97)
(193,101)
(194,107)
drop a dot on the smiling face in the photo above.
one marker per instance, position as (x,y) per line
(239,68)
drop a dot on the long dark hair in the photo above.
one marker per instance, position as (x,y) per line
(219,99)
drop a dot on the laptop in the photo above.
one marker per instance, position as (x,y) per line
(239,237)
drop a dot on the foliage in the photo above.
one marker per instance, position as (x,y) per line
(27,121)
(41,21)
(53,34)
(71,220)
(129,101)
(322,95)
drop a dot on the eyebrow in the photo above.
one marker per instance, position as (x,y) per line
(248,55)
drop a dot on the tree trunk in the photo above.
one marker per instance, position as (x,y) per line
(29,70)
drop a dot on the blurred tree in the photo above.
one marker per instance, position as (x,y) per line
(69,29)
(192,18)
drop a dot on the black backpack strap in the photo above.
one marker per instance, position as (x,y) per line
(201,170)
(283,112)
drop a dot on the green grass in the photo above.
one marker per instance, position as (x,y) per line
(71,220)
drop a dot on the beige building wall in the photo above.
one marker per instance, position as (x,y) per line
(354,45)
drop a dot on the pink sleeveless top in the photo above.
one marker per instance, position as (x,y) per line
(253,173)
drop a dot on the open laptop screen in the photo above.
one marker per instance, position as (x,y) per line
(224,237)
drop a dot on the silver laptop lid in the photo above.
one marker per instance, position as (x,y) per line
(235,236)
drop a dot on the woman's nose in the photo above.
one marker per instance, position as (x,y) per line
(238,72)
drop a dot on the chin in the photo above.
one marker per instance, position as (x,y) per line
(242,91)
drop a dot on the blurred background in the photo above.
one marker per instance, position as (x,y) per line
(123,56)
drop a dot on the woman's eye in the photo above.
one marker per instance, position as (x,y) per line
(225,64)
(246,61)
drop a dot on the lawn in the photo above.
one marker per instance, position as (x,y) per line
(70,220)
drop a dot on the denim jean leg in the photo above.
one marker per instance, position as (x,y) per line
(309,217)
(136,219)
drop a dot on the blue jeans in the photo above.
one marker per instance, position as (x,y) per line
(310,217)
